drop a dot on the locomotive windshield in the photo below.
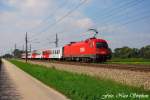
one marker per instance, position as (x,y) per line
(101,45)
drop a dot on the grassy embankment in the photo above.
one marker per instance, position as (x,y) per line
(140,61)
(81,87)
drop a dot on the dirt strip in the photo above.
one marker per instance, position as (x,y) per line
(28,87)
(133,78)
(7,88)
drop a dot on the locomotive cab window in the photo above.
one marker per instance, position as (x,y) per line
(101,45)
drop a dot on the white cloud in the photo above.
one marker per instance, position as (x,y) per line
(28,14)
(84,23)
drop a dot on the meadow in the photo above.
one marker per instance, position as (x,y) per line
(138,61)
(82,87)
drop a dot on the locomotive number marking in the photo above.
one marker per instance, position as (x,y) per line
(82,49)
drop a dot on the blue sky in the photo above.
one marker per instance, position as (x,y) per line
(120,22)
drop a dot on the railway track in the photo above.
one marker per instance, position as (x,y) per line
(141,68)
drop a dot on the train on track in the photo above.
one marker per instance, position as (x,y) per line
(92,49)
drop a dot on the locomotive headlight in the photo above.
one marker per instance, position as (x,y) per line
(103,52)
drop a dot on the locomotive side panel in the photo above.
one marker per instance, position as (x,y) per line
(80,49)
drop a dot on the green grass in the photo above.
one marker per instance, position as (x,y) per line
(80,86)
(130,60)
(139,61)
(131,63)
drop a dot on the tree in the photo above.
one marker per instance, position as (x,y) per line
(124,52)
(145,52)
(17,53)
(7,56)
(135,53)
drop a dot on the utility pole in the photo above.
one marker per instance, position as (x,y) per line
(56,41)
(26,42)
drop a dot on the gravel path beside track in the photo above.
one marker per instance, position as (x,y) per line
(8,89)
(28,87)
(133,78)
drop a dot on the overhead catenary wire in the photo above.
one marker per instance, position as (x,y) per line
(133,5)
(137,19)
(128,4)
(121,10)
(131,17)
(44,20)
(49,16)
(60,19)
(120,6)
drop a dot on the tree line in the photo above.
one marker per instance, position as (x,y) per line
(127,52)
(15,54)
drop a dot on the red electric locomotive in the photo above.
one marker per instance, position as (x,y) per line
(92,49)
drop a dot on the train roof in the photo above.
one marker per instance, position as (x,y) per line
(96,39)
(48,49)
(87,40)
